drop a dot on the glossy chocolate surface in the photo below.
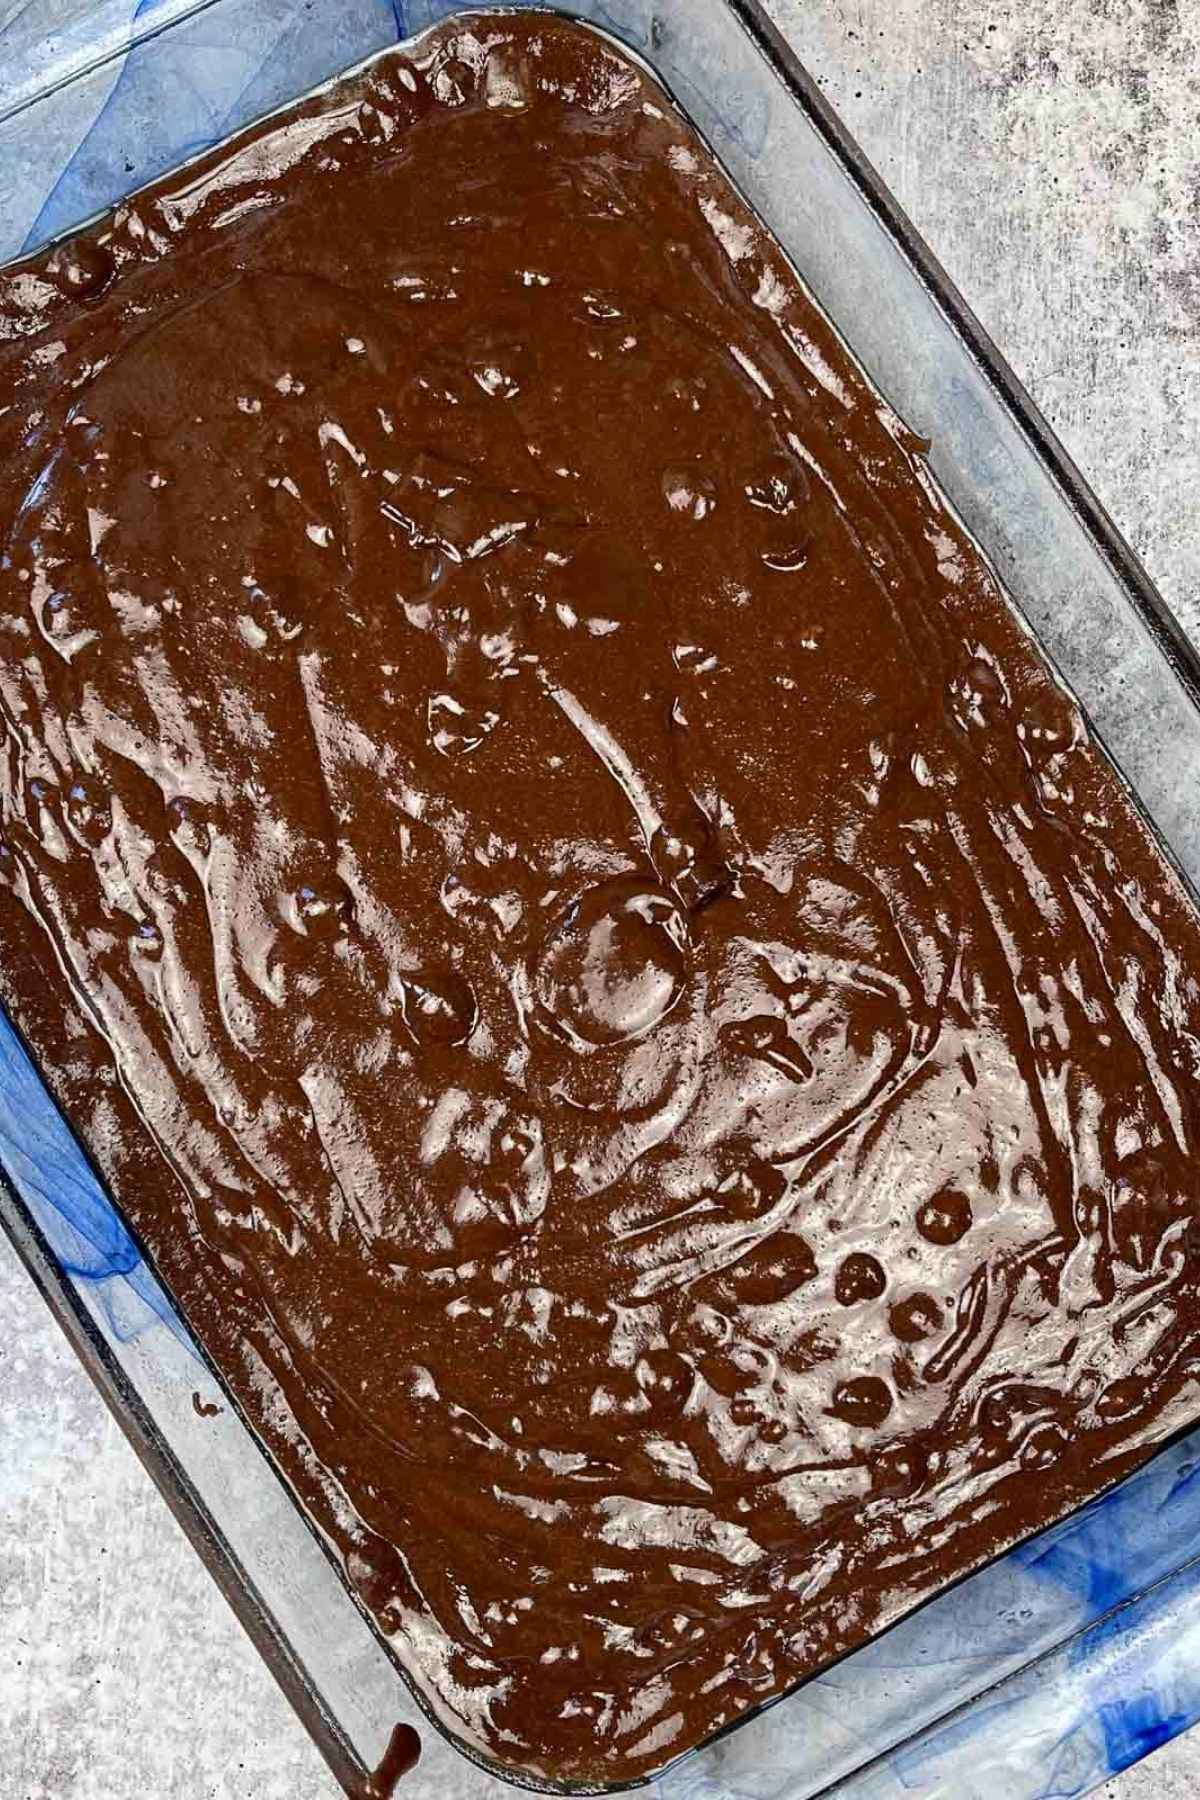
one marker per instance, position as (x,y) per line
(656,1055)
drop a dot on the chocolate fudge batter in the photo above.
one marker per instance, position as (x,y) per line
(607,974)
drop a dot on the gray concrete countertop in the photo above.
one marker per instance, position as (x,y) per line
(1048,151)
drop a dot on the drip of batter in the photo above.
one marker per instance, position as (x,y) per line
(400,1759)
(655,1053)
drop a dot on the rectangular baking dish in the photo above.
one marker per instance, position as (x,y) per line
(1079,1650)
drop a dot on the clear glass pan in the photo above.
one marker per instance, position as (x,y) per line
(1078,1651)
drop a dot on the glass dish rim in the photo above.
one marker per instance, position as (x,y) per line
(1150,608)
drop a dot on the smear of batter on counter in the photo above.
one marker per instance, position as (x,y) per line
(655,1053)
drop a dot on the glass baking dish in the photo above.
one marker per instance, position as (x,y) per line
(1078,1651)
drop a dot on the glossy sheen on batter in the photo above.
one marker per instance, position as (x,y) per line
(611,981)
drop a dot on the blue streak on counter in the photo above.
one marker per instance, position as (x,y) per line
(1133,1728)
(178,94)
(49,1171)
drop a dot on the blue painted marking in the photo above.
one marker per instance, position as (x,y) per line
(910,1764)
(1081,1562)
(57,212)
(300,59)
(53,1177)
(170,102)
(1134,1727)
(1187,1479)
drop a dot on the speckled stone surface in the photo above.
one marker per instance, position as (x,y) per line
(1048,150)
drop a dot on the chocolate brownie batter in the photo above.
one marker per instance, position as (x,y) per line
(608,975)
